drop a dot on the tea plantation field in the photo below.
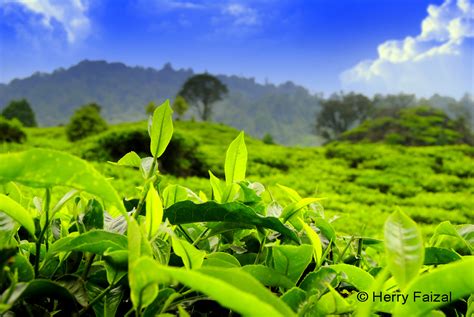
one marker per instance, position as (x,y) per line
(361,184)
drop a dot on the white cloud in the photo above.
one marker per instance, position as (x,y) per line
(439,59)
(69,14)
(242,14)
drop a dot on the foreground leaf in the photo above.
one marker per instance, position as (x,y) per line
(236,160)
(403,248)
(234,212)
(95,241)
(455,278)
(354,275)
(291,260)
(17,212)
(192,257)
(154,212)
(315,242)
(161,129)
(46,168)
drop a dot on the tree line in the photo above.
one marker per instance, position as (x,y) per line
(338,114)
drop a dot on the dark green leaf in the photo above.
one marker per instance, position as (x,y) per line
(234,212)
(437,256)
(94,215)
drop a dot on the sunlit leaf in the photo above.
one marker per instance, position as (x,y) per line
(161,129)
(236,160)
(46,168)
(154,211)
(192,257)
(17,212)
(454,279)
(404,248)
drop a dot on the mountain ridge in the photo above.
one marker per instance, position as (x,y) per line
(286,110)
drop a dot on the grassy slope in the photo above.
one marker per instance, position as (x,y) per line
(362,183)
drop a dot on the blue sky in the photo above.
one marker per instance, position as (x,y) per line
(386,46)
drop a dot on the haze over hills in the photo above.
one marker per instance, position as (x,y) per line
(285,111)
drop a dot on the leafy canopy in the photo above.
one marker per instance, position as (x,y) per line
(202,91)
(21,110)
(85,121)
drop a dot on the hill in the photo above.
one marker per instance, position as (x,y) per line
(420,126)
(285,111)
(358,181)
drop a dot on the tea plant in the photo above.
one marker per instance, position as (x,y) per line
(171,251)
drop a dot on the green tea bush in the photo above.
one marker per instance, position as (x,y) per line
(241,248)
(85,121)
(412,126)
(181,157)
(11,131)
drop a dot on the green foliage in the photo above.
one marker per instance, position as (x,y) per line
(150,108)
(11,131)
(84,122)
(412,126)
(251,253)
(21,110)
(340,113)
(268,139)
(202,91)
(180,106)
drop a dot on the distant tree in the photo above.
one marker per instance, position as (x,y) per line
(150,108)
(342,112)
(390,105)
(21,110)
(85,121)
(180,106)
(11,130)
(268,139)
(202,91)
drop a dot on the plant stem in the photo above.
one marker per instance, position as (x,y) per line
(87,269)
(145,189)
(43,231)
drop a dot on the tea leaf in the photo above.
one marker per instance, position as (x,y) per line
(17,212)
(94,241)
(46,168)
(192,257)
(236,160)
(315,242)
(291,260)
(173,194)
(154,212)
(404,248)
(130,159)
(161,129)
(456,279)
(354,275)
(437,256)
(234,212)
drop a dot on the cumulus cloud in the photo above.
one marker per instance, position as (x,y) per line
(70,15)
(439,59)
